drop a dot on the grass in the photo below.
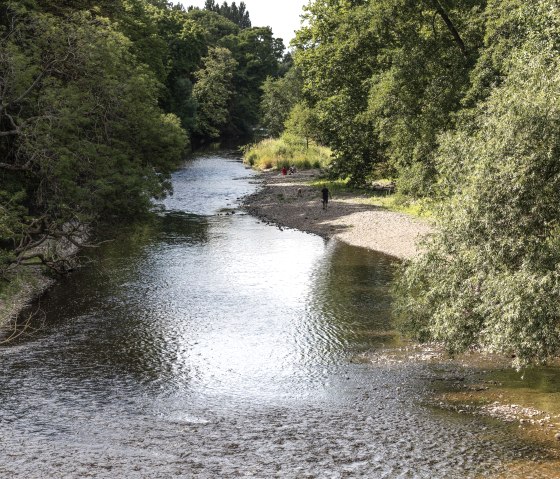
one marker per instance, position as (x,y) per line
(286,151)
(333,185)
(12,287)
(10,290)
(402,204)
(420,208)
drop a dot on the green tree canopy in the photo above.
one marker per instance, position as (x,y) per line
(490,276)
(386,77)
(79,125)
(237,14)
(258,54)
(213,91)
(280,95)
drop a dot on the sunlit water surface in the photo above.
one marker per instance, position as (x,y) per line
(207,344)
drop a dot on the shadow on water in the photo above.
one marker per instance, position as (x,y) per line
(350,297)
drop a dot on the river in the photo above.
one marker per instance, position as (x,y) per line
(203,343)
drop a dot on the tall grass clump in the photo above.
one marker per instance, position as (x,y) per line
(288,150)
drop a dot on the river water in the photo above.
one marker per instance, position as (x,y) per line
(206,344)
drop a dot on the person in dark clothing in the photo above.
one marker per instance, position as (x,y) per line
(326,196)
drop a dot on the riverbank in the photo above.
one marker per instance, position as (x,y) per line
(290,201)
(31,281)
(26,288)
(487,386)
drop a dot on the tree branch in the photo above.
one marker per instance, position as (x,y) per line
(9,133)
(443,14)
(10,167)
(29,89)
(32,244)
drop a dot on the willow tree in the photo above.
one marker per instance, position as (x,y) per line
(490,275)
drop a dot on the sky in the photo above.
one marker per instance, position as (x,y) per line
(283,16)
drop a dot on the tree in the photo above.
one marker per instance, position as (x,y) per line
(490,276)
(257,53)
(214,25)
(386,77)
(186,45)
(79,124)
(238,15)
(279,97)
(213,91)
(301,122)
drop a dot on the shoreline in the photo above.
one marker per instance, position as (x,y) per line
(31,283)
(351,219)
(36,283)
(289,201)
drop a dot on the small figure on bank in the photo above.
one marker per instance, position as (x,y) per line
(284,171)
(292,169)
(326,196)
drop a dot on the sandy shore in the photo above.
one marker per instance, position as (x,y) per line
(290,201)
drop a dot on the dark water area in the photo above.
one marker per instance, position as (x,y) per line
(204,343)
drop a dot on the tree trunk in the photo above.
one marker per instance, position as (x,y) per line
(443,14)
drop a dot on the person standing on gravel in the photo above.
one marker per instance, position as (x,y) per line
(326,196)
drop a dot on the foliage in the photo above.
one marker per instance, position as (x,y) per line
(215,26)
(490,276)
(385,77)
(508,25)
(175,43)
(333,54)
(302,122)
(280,95)
(213,90)
(288,150)
(73,97)
(257,53)
(237,14)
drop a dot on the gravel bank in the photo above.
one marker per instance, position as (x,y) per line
(289,201)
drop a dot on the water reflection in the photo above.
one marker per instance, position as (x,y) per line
(349,299)
(210,345)
(537,387)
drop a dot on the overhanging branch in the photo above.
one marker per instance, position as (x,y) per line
(450,26)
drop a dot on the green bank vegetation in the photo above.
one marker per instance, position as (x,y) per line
(100,100)
(457,102)
(288,150)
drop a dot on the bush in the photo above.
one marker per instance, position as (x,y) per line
(286,151)
(416,180)
(490,275)
(251,158)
